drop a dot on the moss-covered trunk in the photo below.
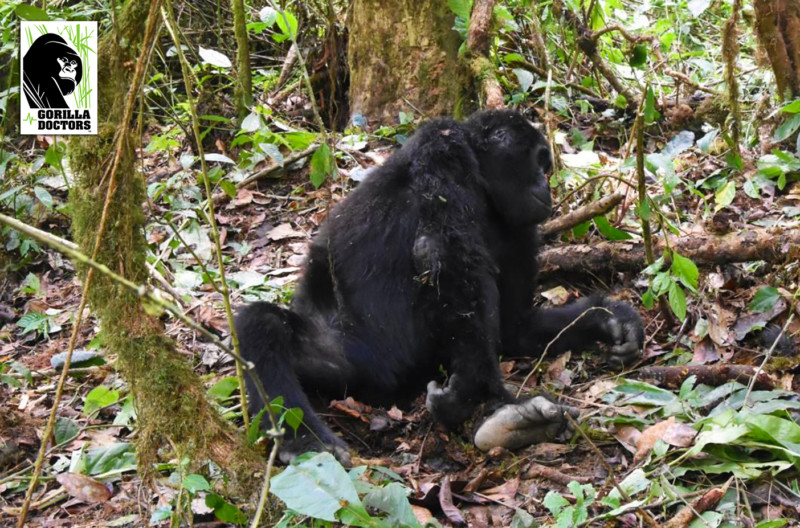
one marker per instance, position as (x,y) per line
(778,29)
(170,400)
(403,56)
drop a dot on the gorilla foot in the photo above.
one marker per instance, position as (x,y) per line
(533,421)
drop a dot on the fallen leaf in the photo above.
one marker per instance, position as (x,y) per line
(446,503)
(649,438)
(84,488)
(679,435)
(283,232)
(557,296)
(705,352)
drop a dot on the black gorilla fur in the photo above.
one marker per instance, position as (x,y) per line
(430,261)
(52,70)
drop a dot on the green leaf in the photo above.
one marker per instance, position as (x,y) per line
(223,388)
(661,283)
(294,417)
(525,79)
(677,300)
(224,510)
(609,231)
(724,195)
(54,154)
(392,499)
(650,112)
(323,165)
(581,229)
(287,23)
(318,487)
(648,299)
(734,160)
(705,142)
(29,12)
(554,502)
(254,431)
(792,108)
(65,430)
(786,129)
(655,267)
(638,56)
(120,456)
(44,196)
(99,397)
(461,8)
(685,270)
(194,483)
(228,187)
(764,299)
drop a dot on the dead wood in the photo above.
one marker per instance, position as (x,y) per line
(581,214)
(771,245)
(713,375)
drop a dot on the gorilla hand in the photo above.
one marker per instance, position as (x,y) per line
(623,331)
(516,425)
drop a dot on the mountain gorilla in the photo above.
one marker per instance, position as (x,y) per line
(430,262)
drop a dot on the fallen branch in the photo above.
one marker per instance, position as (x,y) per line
(771,245)
(707,502)
(581,214)
(554,475)
(713,375)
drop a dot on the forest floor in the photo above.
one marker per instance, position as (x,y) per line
(641,430)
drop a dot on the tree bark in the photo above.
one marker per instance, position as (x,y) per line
(169,398)
(403,56)
(778,30)
(771,245)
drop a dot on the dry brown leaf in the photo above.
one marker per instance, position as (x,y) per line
(84,488)
(649,438)
(679,435)
(283,232)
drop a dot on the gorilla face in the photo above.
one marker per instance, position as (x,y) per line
(515,160)
(51,71)
(68,67)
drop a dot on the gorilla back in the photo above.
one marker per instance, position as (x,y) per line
(430,261)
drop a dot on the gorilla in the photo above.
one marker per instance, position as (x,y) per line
(430,263)
(51,71)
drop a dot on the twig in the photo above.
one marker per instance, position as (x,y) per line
(262,500)
(646,516)
(560,333)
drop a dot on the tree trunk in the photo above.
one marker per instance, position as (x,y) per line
(778,29)
(169,398)
(403,56)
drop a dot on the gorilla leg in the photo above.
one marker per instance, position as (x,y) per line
(289,350)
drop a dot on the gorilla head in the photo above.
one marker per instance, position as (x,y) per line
(51,71)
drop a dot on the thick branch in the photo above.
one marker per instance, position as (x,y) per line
(581,214)
(770,245)
(712,375)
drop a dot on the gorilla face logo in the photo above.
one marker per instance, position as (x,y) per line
(51,71)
